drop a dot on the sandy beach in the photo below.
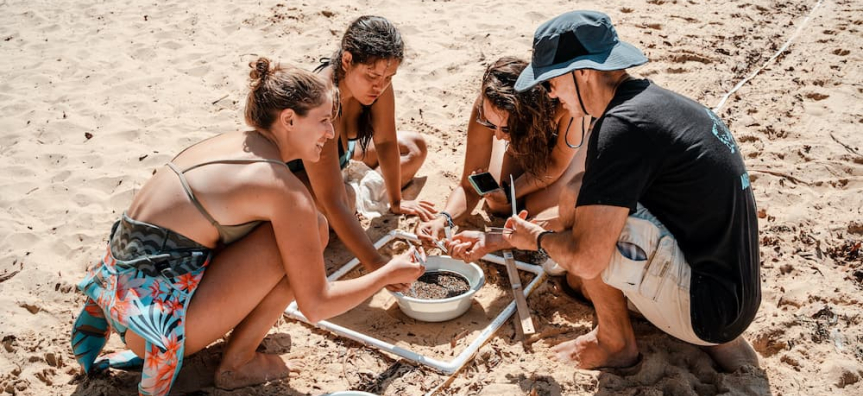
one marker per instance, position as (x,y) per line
(94,96)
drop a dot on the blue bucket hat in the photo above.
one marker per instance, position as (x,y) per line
(573,41)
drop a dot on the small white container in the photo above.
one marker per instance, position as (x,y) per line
(447,308)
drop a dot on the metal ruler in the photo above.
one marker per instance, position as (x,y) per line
(525,323)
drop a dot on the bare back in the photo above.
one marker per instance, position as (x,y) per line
(228,192)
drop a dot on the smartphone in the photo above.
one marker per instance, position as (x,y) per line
(483,183)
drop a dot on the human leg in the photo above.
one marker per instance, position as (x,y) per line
(554,206)
(502,165)
(568,198)
(575,283)
(612,342)
(733,355)
(659,288)
(241,365)
(349,191)
(412,154)
(245,283)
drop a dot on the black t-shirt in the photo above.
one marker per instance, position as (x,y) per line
(679,160)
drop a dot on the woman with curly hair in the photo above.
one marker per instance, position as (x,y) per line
(534,145)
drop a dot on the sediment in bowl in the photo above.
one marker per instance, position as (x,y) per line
(447,308)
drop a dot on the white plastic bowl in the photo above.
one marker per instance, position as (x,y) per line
(446,308)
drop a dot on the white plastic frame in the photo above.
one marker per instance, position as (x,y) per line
(446,367)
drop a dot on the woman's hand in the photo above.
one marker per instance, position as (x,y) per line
(404,269)
(432,230)
(496,201)
(470,246)
(524,233)
(423,209)
(377,265)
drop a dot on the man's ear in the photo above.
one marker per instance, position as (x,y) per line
(347,58)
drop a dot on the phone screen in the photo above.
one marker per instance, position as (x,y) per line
(483,183)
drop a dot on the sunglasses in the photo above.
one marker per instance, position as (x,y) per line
(480,119)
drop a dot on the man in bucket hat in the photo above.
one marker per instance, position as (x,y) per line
(665,219)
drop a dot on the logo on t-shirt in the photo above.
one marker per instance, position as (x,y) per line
(721,131)
(744,181)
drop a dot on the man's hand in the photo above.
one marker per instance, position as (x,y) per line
(524,233)
(470,246)
(496,201)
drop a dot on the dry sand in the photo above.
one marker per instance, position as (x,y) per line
(96,95)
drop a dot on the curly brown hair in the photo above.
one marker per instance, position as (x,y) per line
(531,123)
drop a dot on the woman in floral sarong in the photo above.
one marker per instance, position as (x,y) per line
(218,240)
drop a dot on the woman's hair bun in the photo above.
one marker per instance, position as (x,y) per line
(260,69)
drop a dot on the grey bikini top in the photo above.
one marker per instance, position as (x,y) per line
(227,233)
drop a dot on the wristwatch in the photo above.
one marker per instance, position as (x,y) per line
(539,241)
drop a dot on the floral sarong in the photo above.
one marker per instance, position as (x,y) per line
(144,283)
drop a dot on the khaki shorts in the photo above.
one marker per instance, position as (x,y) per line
(650,270)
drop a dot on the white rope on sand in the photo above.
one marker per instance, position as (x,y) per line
(769,61)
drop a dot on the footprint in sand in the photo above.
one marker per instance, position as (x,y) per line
(687,19)
(769,343)
(754,149)
(817,96)
(690,57)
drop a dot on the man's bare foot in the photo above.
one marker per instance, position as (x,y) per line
(733,355)
(588,352)
(262,368)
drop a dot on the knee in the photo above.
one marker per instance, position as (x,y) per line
(414,144)
(568,199)
(576,285)
(284,292)
(498,209)
(323,229)
(567,214)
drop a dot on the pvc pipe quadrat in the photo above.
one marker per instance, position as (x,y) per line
(446,367)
